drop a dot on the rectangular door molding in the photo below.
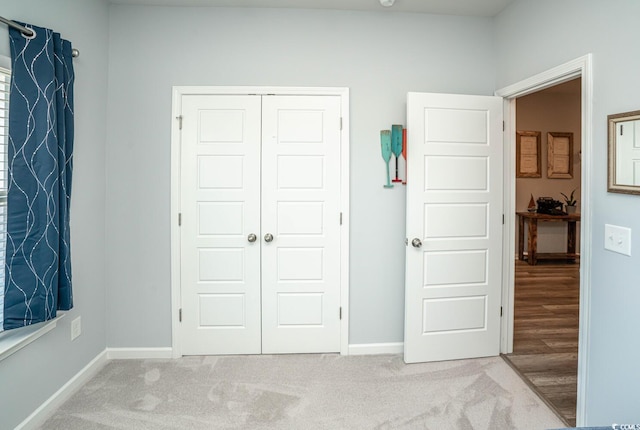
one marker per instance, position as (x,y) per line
(260,210)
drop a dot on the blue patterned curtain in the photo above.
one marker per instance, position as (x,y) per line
(38,263)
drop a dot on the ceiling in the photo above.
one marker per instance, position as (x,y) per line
(438,7)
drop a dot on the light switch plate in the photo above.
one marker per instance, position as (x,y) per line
(617,239)
(76,328)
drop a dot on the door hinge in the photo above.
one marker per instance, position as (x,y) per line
(179,118)
(502,218)
(340,218)
(340,123)
(500,310)
(180,314)
(180,219)
(502,125)
(621,129)
(340,312)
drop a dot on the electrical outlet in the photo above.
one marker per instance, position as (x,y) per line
(76,328)
(617,239)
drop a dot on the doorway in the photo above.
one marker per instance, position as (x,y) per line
(547,286)
(578,68)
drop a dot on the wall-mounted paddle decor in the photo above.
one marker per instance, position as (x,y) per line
(385,141)
(394,142)
(396,146)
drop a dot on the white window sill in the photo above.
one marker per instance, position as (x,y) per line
(16,339)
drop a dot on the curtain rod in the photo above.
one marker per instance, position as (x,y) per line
(29,33)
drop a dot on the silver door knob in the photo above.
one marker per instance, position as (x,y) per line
(416,243)
(252,238)
(268,237)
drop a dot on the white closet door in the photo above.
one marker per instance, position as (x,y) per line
(220,204)
(454,227)
(301,210)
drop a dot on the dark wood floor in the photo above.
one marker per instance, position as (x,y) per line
(545,343)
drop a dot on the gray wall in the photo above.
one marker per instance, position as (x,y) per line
(34,373)
(532,36)
(152,49)
(380,56)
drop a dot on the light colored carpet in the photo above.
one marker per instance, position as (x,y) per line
(304,392)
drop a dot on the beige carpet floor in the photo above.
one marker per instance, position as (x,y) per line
(304,392)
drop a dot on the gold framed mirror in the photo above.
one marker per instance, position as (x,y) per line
(624,153)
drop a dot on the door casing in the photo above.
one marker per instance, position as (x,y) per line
(578,68)
(178,92)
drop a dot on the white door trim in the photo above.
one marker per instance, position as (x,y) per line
(578,68)
(178,92)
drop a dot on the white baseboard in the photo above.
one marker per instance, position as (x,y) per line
(376,348)
(138,353)
(45,410)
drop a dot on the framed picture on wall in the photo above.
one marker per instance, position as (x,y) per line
(528,154)
(559,155)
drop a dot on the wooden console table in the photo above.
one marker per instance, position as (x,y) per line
(532,244)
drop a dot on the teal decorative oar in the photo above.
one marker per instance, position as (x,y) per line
(396,146)
(385,140)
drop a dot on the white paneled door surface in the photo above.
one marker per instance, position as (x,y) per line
(260,214)
(220,204)
(301,210)
(454,227)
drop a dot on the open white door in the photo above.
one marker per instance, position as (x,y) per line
(454,227)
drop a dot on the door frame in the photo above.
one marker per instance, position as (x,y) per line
(578,68)
(177,93)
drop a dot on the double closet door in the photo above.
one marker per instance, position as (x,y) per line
(260,224)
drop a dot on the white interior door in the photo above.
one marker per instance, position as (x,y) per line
(454,227)
(301,210)
(220,204)
(267,166)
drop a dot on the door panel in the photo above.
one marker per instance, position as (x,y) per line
(265,166)
(220,204)
(301,209)
(454,208)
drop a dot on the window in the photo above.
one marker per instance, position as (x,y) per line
(5,82)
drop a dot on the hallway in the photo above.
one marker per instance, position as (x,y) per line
(545,349)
